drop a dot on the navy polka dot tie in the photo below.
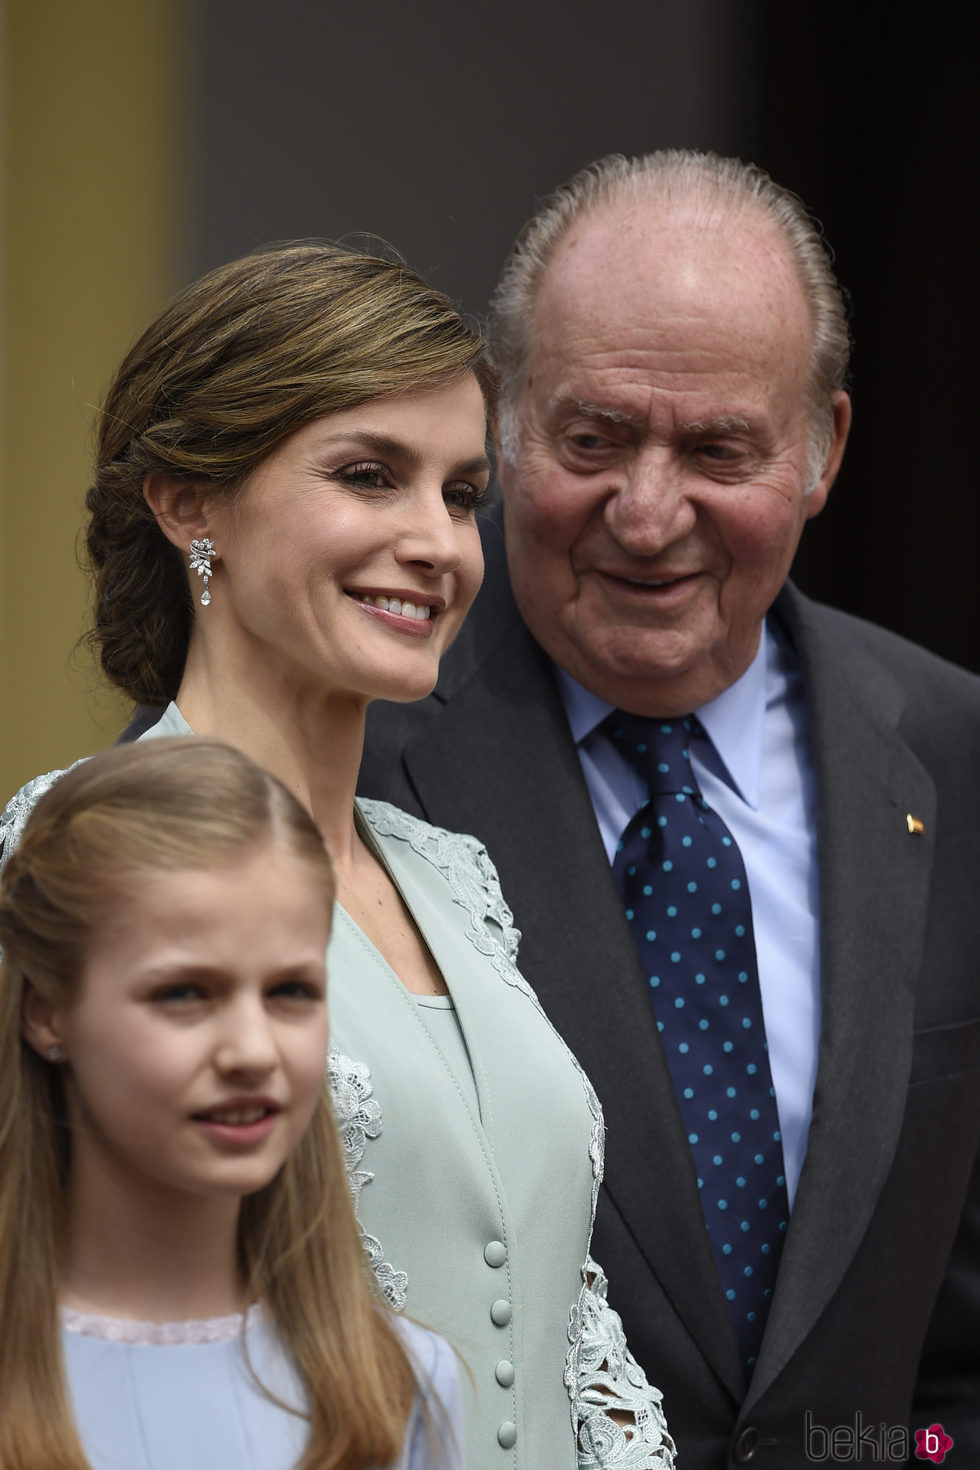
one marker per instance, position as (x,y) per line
(688,905)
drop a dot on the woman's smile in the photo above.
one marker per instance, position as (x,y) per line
(403,610)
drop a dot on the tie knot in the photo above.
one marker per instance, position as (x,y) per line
(657,749)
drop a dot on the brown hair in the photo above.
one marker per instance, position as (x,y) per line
(672,174)
(181,802)
(237,363)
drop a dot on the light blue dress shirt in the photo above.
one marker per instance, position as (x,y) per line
(758,776)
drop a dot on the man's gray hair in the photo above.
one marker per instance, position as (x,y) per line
(685,176)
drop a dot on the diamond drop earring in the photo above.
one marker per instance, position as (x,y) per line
(200,558)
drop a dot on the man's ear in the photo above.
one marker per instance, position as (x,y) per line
(817,498)
(40,1023)
(181,507)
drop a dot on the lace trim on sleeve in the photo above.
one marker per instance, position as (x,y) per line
(358,1115)
(603,1378)
(19,808)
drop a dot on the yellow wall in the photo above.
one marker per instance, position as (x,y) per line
(92,131)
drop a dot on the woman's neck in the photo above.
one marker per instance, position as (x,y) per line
(310,740)
(150,1254)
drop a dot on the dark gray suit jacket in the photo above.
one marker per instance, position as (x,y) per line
(877,1307)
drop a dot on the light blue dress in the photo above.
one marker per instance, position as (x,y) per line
(180,1396)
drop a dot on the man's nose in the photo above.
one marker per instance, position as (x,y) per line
(652,509)
(430,537)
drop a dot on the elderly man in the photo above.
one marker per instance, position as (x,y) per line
(739,831)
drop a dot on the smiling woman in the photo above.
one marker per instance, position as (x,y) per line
(251,355)
(304,433)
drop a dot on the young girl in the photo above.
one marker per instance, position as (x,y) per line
(182,1283)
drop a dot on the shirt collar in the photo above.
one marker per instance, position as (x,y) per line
(733,720)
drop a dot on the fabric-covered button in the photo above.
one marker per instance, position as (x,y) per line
(500,1312)
(495,1253)
(504,1373)
(746,1445)
(507,1435)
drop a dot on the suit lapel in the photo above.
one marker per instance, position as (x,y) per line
(502,747)
(874,884)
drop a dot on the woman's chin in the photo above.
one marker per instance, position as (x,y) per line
(406,691)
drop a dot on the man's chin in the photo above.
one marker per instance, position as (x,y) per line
(651,676)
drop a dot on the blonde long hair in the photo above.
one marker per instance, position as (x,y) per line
(180,803)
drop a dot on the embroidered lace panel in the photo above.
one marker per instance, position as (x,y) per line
(603,1377)
(358,1115)
(167,1334)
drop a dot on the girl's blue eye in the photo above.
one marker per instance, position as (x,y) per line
(296,990)
(178,994)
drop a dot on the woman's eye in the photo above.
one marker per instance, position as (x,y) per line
(464,496)
(367,476)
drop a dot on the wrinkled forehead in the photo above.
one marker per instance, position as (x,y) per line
(634,278)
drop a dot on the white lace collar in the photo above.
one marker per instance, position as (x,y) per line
(124,1329)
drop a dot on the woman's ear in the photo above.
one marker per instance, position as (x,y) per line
(41,1025)
(181,507)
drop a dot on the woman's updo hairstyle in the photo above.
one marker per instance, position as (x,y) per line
(237,363)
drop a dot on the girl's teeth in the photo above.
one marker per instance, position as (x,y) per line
(395,605)
(382,602)
(239,1116)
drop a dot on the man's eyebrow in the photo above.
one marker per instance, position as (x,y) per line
(696,428)
(606,412)
(724,424)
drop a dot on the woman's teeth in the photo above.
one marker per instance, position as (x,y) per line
(421,614)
